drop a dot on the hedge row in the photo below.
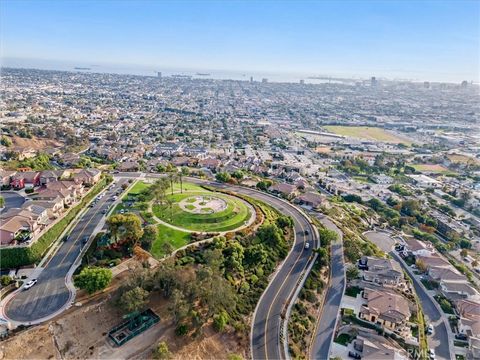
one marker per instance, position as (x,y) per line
(22,256)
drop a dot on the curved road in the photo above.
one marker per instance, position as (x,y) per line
(325,330)
(51,294)
(265,338)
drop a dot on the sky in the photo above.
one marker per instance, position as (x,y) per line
(423,40)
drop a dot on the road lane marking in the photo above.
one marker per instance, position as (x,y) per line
(281,287)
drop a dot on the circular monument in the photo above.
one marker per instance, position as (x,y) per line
(203,204)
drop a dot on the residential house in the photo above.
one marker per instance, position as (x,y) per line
(66,196)
(48,176)
(17,221)
(76,189)
(371,346)
(381,271)
(87,177)
(386,308)
(128,166)
(469,324)
(288,191)
(416,247)
(26,179)
(312,200)
(54,207)
(6,176)
(210,163)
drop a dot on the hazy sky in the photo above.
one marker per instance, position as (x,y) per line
(436,40)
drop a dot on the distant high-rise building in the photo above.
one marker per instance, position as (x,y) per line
(159,75)
(302,81)
(264,80)
(373,81)
(464,84)
(251,79)
(426,84)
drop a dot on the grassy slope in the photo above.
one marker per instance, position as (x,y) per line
(176,238)
(232,217)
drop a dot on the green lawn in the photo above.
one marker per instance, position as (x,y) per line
(186,187)
(138,188)
(176,238)
(231,218)
(368,133)
(431,168)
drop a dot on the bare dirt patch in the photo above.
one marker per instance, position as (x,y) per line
(34,343)
(35,143)
(81,333)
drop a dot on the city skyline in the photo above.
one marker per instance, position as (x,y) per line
(413,40)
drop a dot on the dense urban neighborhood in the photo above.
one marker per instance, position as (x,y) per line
(238,219)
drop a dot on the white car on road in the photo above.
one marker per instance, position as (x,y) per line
(29,284)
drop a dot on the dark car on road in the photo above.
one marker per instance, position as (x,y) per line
(85,240)
(66,238)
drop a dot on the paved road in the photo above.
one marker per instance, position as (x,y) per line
(439,340)
(323,337)
(12,200)
(51,294)
(266,329)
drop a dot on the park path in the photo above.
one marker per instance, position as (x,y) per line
(178,228)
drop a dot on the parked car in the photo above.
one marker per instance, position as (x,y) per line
(430,329)
(29,284)
(104,211)
(66,238)
(354,355)
(431,354)
(463,337)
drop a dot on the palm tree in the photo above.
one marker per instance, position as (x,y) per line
(170,205)
(183,172)
(172,177)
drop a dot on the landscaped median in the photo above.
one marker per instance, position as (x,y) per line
(28,255)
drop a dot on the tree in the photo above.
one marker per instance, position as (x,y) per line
(93,279)
(352,273)
(322,256)
(264,184)
(133,300)
(463,252)
(161,352)
(167,248)
(2,201)
(172,177)
(126,227)
(140,254)
(238,174)
(327,236)
(220,321)
(223,177)
(475,263)
(150,234)
(5,280)
(421,265)
(5,141)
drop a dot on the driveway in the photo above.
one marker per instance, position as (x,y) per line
(12,200)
